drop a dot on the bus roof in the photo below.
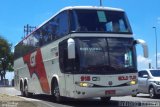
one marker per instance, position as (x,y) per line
(91,7)
(83,7)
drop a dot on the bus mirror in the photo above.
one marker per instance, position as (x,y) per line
(144,45)
(71,48)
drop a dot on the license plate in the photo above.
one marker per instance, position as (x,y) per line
(110,92)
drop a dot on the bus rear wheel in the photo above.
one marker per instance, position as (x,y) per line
(22,91)
(105,99)
(26,93)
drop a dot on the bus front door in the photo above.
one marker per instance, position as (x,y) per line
(69,85)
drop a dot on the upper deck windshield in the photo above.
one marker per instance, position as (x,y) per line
(105,55)
(99,21)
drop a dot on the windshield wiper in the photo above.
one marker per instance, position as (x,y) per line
(100,67)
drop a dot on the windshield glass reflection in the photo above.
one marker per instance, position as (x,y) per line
(105,55)
(99,21)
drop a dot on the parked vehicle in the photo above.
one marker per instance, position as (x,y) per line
(149,82)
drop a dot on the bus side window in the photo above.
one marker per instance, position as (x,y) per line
(52,28)
(62,21)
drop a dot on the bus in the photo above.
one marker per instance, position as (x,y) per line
(80,52)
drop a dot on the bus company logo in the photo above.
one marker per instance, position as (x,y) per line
(33,59)
(110,83)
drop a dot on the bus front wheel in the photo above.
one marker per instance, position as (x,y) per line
(56,92)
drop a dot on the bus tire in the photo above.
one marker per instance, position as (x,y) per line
(105,99)
(27,94)
(56,92)
(22,89)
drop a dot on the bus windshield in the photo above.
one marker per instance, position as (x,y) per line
(99,21)
(105,55)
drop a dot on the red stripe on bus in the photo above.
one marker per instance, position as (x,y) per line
(38,69)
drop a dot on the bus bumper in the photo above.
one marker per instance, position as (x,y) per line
(84,92)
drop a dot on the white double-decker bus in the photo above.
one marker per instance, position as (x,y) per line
(81,52)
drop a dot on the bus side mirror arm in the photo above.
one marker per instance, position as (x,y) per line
(144,46)
(71,48)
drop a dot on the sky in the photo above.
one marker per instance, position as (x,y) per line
(142,14)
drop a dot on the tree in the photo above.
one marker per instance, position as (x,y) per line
(6,57)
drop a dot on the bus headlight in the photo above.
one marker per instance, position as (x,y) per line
(133,82)
(84,84)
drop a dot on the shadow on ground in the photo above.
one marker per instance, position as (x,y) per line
(96,102)
(79,103)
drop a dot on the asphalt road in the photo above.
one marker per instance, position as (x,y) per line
(142,100)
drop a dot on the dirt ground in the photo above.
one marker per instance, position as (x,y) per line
(15,101)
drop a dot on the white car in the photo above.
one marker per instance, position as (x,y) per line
(149,82)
